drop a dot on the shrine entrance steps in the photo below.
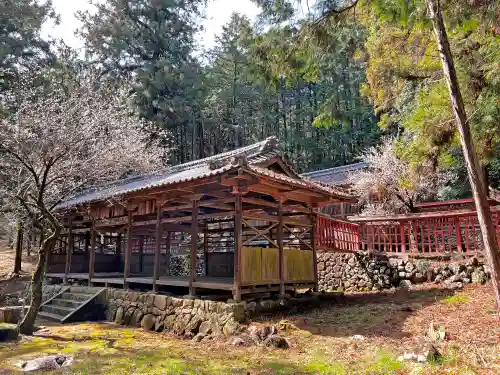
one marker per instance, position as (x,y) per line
(74,304)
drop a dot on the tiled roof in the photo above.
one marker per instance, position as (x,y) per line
(254,154)
(303,182)
(336,175)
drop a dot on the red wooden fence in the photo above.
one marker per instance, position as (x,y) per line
(432,232)
(336,235)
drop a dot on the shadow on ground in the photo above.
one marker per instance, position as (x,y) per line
(367,314)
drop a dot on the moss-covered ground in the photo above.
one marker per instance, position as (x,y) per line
(321,341)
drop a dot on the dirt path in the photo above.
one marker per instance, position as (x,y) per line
(7,256)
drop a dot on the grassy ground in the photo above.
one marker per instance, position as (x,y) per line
(322,342)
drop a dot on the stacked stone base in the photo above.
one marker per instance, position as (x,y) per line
(181,316)
(364,272)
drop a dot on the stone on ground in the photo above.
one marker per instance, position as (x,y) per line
(51,362)
(148,322)
(277,341)
(8,332)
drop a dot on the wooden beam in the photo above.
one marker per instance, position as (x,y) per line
(194,243)
(128,251)
(281,253)
(157,248)
(167,253)
(262,189)
(179,207)
(69,251)
(199,217)
(238,247)
(259,202)
(92,255)
(271,218)
(314,250)
(115,221)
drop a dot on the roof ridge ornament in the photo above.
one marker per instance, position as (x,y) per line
(239,161)
(270,144)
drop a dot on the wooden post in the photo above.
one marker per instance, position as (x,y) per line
(238,247)
(402,235)
(205,248)
(141,254)
(315,254)
(69,251)
(119,248)
(458,234)
(128,251)
(194,243)
(281,252)
(88,239)
(167,254)
(157,248)
(92,253)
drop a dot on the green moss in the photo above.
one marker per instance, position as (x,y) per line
(457,299)
(384,364)
(324,368)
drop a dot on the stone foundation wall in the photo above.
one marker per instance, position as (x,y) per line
(363,272)
(198,317)
(181,316)
(11,314)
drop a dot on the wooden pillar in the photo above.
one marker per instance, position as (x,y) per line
(194,243)
(128,251)
(92,252)
(238,246)
(88,239)
(141,254)
(205,248)
(156,262)
(167,254)
(281,253)
(314,250)
(118,247)
(69,251)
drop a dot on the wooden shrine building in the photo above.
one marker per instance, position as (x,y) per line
(245,215)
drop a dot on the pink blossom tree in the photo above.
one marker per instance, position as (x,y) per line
(392,185)
(58,144)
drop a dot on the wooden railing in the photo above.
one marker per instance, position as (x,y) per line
(337,235)
(427,233)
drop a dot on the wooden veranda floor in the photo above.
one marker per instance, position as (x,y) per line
(206,282)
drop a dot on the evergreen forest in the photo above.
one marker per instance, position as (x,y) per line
(329,78)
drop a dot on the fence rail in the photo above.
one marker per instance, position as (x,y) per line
(337,235)
(425,233)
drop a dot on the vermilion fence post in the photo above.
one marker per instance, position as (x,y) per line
(402,234)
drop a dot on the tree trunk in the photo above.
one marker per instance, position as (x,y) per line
(27,325)
(473,167)
(19,248)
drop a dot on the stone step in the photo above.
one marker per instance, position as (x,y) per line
(84,289)
(57,310)
(76,296)
(71,303)
(49,316)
